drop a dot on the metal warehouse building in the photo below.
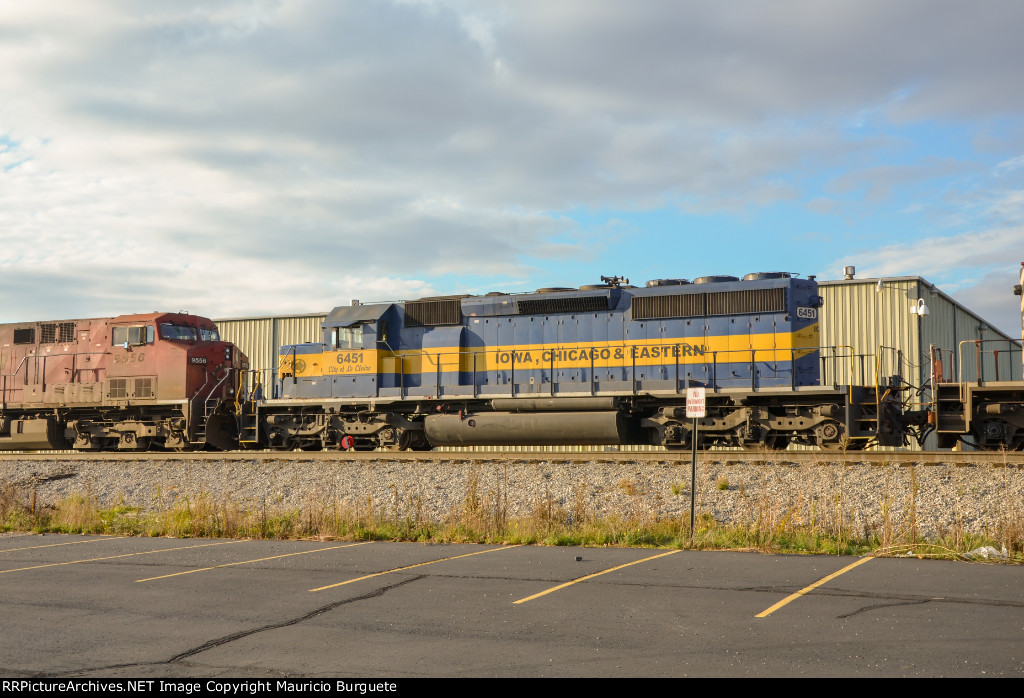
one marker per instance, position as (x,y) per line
(880,317)
(865,318)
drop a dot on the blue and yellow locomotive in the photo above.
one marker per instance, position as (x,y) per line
(602,364)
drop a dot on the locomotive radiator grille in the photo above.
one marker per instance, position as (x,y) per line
(143,387)
(769,300)
(54,332)
(435,312)
(118,388)
(658,307)
(549,306)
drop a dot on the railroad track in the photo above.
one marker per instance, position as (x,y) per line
(726,457)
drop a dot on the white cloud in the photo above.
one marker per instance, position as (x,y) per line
(1009,165)
(258,155)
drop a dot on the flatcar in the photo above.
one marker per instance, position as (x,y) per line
(158,380)
(602,364)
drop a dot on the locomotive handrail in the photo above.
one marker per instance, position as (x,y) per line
(935,354)
(878,368)
(979,361)
(548,359)
(439,363)
(14,374)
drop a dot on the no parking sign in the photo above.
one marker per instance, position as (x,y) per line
(696,406)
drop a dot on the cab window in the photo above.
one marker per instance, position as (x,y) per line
(134,336)
(209,335)
(347,337)
(178,332)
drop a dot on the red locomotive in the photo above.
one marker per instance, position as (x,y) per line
(161,380)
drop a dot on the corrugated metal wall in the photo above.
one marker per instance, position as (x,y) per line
(261,338)
(873,324)
(859,314)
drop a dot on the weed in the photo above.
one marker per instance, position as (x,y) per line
(801,521)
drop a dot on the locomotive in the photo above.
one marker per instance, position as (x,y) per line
(602,364)
(607,363)
(132,382)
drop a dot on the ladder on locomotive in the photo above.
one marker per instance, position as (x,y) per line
(210,405)
(247,410)
(872,406)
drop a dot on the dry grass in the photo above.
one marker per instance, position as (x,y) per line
(799,522)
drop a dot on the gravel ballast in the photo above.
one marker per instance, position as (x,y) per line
(935,498)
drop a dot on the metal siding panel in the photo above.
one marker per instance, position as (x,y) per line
(261,338)
(860,316)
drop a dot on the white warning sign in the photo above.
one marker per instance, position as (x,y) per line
(696,406)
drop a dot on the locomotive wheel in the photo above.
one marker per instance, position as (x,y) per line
(418,441)
(390,439)
(996,434)
(772,442)
(686,445)
(829,437)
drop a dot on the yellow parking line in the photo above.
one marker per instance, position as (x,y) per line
(591,576)
(54,545)
(793,597)
(246,562)
(114,557)
(409,567)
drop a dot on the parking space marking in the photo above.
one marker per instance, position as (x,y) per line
(54,545)
(115,557)
(794,596)
(409,567)
(246,562)
(591,576)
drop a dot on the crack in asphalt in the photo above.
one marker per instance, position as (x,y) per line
(284,624)
(246,633)
(876,606)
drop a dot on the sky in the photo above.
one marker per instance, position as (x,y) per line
(250,157)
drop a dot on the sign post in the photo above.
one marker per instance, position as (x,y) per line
(696,407)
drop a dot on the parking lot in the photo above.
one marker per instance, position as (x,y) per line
(137,607)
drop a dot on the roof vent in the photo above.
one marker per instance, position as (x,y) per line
(762,275)
(714,279)
(666,282)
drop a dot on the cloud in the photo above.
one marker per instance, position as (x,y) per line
(991,297)
(978,268)
(277,153)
